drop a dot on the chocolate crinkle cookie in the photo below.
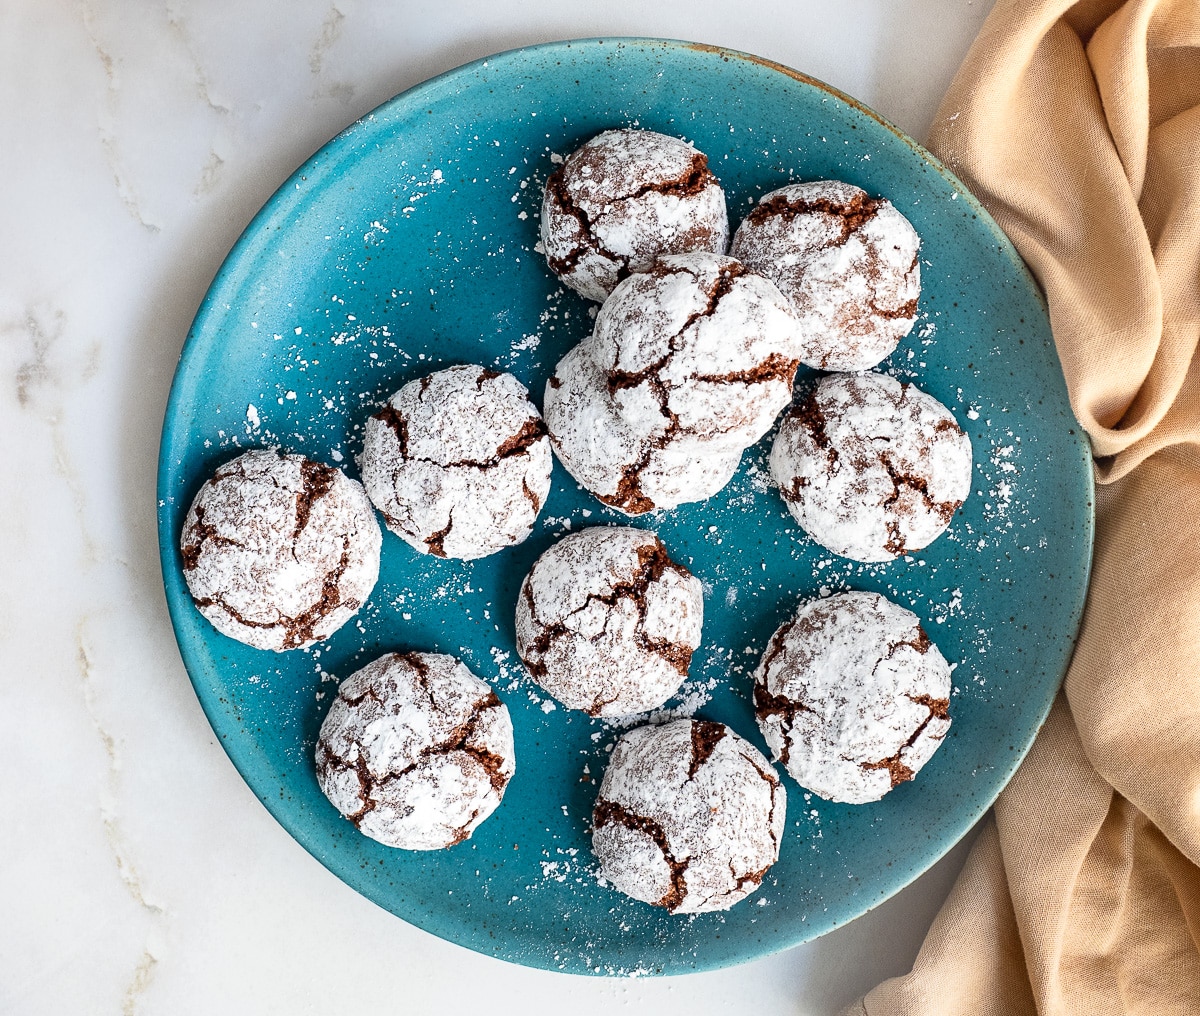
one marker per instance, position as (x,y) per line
(623,199)
(416,751)
(847,262)
(458,462)
(607,622)
(870,467)
(852,697)
(689,817)
(689,364)
(279,551)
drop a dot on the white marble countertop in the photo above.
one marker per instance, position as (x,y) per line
(139,873)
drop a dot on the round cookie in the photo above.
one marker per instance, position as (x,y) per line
(871,468)
(852,697)
(458,462)
(607,622)
(689,817)
(847,262)
(416,751)
(279,551)
(698,345)
(623,199)
(634,473)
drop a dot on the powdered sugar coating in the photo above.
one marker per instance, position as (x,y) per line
(458,462)
(871,468)
(634,473)
(623,199)
(689,817)
(698,345)
(416,751)
(688,365)
(852,697)
(279,551)
(847,262)
(607,622)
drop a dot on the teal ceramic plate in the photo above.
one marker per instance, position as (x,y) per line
(407,243)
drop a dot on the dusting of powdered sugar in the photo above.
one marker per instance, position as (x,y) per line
(689,364)
(623,199)
(873,469)
(606,622)
(279,551)
(416,751)
(689,816)
(847,261)
(852,697)
(458,462)
(699,344)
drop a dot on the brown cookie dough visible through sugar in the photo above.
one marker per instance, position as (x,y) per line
(698,345)
(631,472)
(871,468)
(606,622)
(689,817)
(689,364)
(279,551)
(623,199)
(847,262)
(852,697)
(458,462)
(416,751)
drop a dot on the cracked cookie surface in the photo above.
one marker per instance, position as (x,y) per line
(852,697)
(606,622)
(689,365)
(697,345)
(870,467)
(623,199)
(689,816)
(416,751)
(279,551)
(632,472)
(458,462)
(848,263)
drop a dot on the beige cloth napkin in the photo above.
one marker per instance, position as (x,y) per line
(1078,126)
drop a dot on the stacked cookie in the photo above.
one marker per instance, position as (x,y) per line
(689,364)
(692,356)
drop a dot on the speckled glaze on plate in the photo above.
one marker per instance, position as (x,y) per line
(406,244)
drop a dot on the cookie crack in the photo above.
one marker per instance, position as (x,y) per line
(485,374)
(316,480)
(897,770)
(529,434)
(653,563)
(610,812)
(588,244)
(706,735)
(853,215)
(811,417)
(205,533)
(298,629)
(390,416)
(691,182)
(776,367)
(530,496)
(629,494)
(457,740)
(436,542)
(767,704)
(694,180)
(772,781)
(944,510)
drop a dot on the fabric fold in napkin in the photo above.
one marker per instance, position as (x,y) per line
(1078,126)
